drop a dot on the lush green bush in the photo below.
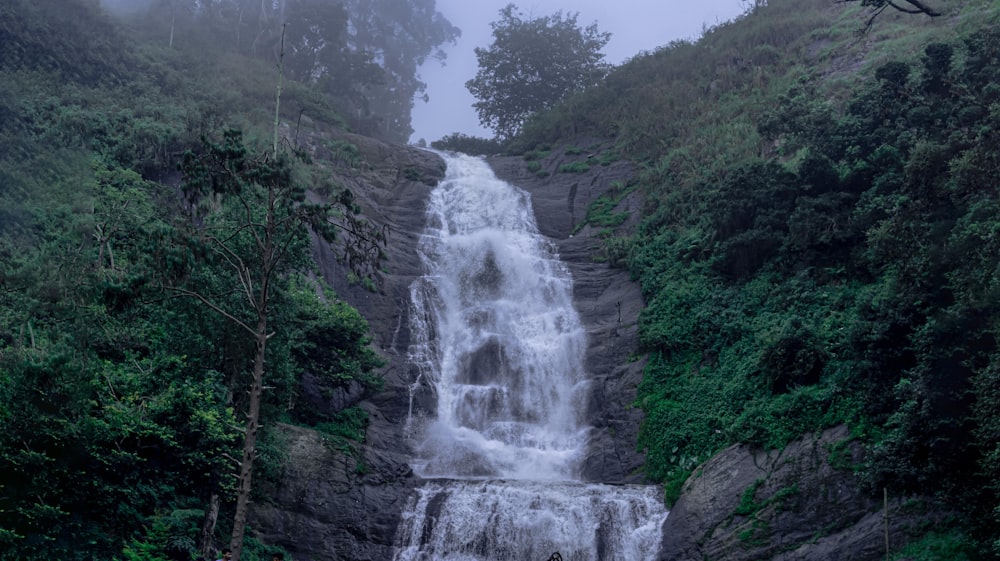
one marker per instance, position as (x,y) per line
(847,278)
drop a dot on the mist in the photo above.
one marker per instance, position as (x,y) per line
(636,26)
(126,7)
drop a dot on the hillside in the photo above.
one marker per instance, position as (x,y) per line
(817,245)
(127,287)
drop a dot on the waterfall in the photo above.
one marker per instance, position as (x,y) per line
(496,336)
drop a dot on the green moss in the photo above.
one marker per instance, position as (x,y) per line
(537,154)
(574,167)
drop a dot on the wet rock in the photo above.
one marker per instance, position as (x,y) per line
(606,298)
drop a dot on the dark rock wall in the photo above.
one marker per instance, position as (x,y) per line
(330,505)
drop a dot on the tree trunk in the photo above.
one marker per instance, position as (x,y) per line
(257,385)
(208,527)
(250,443)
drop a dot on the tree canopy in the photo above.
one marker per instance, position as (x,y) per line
(532,64)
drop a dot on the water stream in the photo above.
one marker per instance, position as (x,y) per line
(496,336)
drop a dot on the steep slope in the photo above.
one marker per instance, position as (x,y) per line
(331,502)
(334,505)
(810,252)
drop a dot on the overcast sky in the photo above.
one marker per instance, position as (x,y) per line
(635,26)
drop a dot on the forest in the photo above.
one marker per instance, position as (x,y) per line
(154,236)
(819,246)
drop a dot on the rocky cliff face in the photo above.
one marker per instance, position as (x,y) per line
(801,503)
(330,505)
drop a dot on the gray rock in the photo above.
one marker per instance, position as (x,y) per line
(331,504)
(784,505)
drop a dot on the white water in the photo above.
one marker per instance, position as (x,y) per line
(496,335)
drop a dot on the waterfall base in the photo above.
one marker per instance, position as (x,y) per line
(528,521)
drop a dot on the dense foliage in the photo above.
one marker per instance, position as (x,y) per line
(122,398)
(458,142)
(532,64)
(819,242)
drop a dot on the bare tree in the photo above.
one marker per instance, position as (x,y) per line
(905,6)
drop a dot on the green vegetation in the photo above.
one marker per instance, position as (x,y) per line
(346,428)
(123,386)
(458,142)
(602,213)
(574,167)
(533,63)
(537,154)
(818,242)
(939,546)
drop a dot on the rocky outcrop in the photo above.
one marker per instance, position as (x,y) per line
(330,503)
(607,299)
(801,503)
(335,505)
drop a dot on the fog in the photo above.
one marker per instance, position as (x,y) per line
(635,26)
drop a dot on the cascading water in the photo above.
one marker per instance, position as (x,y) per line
(497,337)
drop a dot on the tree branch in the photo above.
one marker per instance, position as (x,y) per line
(215,307)
(918,8)
(236,262)
(879,6)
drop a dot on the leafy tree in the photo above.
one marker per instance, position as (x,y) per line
(117,405)
(253,218)
(401,35)
(532,64)
(103,422)
(317,50)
